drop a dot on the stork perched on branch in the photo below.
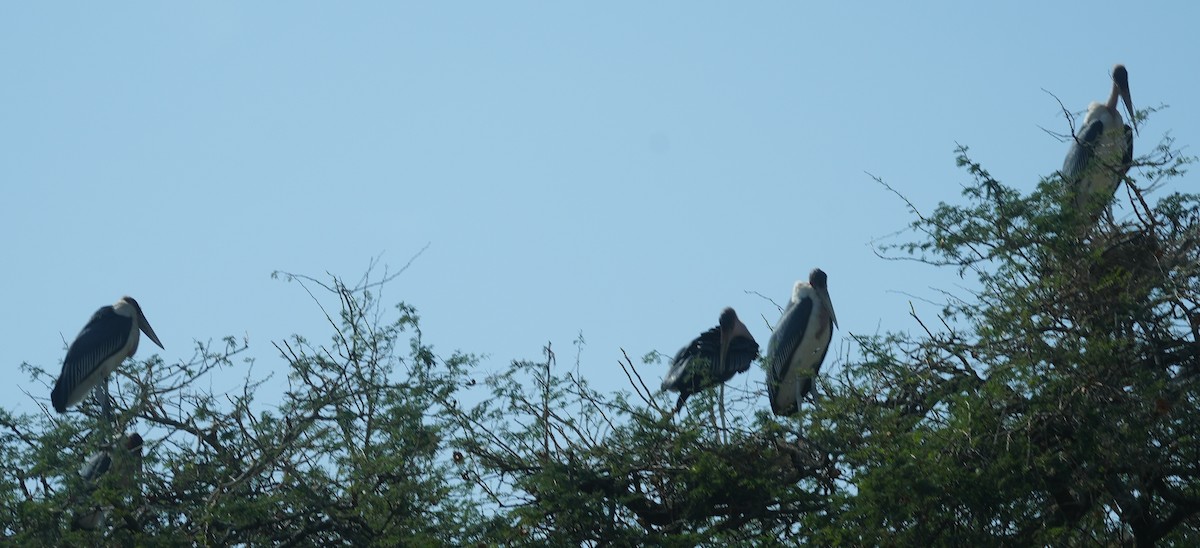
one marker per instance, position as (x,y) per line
(110,336)
(125,461)
(799,343)
(1102,149)
(712,358)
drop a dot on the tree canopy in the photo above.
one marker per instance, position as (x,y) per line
(1055,401)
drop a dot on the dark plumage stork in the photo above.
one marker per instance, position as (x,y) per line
(126,464)
(1102,150)
(107,339)
(100,462)
(712,358)
(799,343)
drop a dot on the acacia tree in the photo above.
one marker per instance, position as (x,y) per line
(353,453)
(1055,402)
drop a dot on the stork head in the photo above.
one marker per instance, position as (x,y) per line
(731,328)
(143,324)
(133,442)
(1120,78)
(820,282)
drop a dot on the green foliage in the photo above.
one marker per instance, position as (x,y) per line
(571,466)
(1053,406)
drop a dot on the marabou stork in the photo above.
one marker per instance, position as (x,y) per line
(799,343)
(1102,150)
(125,462)
(107,339)
(712,358)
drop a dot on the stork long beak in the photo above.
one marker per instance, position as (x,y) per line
(144,325)
(727,335)
(1121,82)
(1129,107)
(829,303)
(740,330)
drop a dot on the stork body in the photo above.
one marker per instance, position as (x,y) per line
(129,460)
(110,336)
(1102,150)
(712,358)
(799,343)
(126,462)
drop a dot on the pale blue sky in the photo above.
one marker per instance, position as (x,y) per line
(620,169)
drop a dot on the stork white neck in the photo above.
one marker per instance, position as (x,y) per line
(1112,98)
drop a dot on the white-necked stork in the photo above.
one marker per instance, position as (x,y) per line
(712,358)
(107,339)
(99,463)
(799,343)
(1102,150)
(125,462)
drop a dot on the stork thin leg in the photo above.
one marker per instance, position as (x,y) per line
(721,406)
(105,404)
(712,416)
